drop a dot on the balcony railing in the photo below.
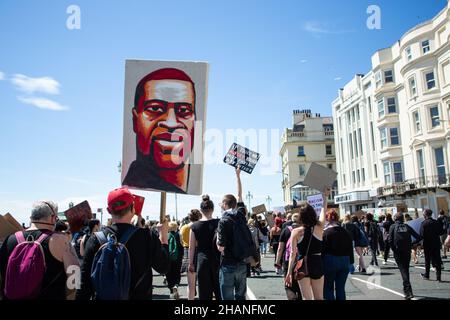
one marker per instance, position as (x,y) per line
(410,185)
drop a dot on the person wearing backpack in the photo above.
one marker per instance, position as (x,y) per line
(373,233)
(202,244)
(361,242)
(386,227)
(93,227)
(235,243)
(51,255)
(118,260)
(176,252)
(284,251)
(430,231)
(400,242)
(444,221)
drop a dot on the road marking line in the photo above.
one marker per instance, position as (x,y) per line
(392,261)
(380,287)
(250,294)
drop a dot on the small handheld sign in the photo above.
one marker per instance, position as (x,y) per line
(244,158)
(77,215)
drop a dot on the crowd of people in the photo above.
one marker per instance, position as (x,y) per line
(314,253)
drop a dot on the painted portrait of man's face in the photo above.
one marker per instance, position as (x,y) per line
(164,118)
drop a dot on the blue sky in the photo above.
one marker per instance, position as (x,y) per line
(266,59)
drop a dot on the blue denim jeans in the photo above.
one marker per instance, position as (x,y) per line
(233,281)
(336,271)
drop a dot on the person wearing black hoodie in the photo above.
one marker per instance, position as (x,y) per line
(386,227)
(430,231)
(400,242)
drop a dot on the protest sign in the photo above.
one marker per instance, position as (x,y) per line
(138,204)
(316,201)
(259,209)
(415,225)
(319,177)
(13,221)
(164,125)
(239,156)
(78,215)
(7,228)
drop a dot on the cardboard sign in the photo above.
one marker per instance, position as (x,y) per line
(7,228)
(319,177)
(13,221)
(163,152)
(138,204)
(415,225)
(259,209)
(242,157)
(77,215)
(316,201)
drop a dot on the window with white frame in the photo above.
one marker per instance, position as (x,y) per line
(430,81)
(343,178)
(358,176)
(391,105)
(425,46)
(356,143)
(421,166)
(383,136)
(387,173)
(372,136)
(388,76)
(412,87)
(351,144)
(408,53)
(393,132)
(342,150)
(434,117)
(381,108)
(357,112)
(440,164)
(375,170)
(417,125)
(353,114)
(301,151)
(348,116)
(328,150)
(369,102)
(446,72)
(301,169)
(363,173)
(360,141)
(340,123)
(378,79)
(398,171)
(353,177)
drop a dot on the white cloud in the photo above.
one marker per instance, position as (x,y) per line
(2,76)
(317,28)
(31,85)
(337,78)
(303,61)
(43,103)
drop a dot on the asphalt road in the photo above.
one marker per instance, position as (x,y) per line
(384,283)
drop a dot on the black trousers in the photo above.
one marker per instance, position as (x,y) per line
(373,243)
(402,259)
(208,276)
(433,256)
(387,248)
(173,276)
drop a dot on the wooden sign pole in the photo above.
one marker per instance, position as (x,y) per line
(162,212)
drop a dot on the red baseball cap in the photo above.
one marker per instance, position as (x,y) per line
(119,199)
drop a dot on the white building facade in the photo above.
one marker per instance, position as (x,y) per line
(392,125)
(311,139)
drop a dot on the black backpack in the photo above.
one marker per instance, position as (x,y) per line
(402,237)
(242,243)
(374,231)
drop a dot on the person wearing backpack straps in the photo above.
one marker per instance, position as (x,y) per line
(51,253)
(306,242)
(400,241)
(136,250)
(372,231)
(234,241)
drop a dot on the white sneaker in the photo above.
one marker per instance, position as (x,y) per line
(384,263)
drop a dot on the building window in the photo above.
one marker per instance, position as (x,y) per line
(353,114)
(356,143)
(343,177)
(434,115)
(412,87)
(301,151)
(340,123)
(330,166)
(425,46)
(446,72)
(301,170)
(363,172)
(430,81)
(380,108)
(358,176)
(440,164)
(348,117)
(357,112)
(398,172)
(351,144)
(375,170)
(388,76)
(342,150)
(372,136)
(387,173)
(383,136)
(421,166)
(328,150)
(353,177)
(360,140)
(394,136)
(417,126)
(391,106)
(408,53)
(378,79)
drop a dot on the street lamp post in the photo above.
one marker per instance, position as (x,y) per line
(269,200)
(249,197)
